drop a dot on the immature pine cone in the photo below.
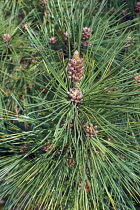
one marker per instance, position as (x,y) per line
(52,40)
(137,7)
(76,95)
(6,37)
(86,33)
(76,68)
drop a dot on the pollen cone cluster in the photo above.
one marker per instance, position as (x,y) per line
(86,33)
(46,148)
(90,130)
(6,37)
(137,78)
(67,35)
(43,2)
(76,95)
(76,68)
(71,125)
(52,40)
(137,7)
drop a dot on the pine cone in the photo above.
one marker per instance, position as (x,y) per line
(76,68)
(86,33)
